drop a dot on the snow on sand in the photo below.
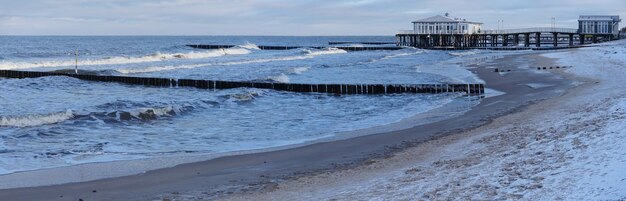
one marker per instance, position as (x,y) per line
(572,148)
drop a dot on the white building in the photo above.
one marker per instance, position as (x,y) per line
(599,24)
(445,25)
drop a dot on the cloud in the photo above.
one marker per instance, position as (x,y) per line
(276,17)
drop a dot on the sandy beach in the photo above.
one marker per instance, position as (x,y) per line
(524,144)
(565,148)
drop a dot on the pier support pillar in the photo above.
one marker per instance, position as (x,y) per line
(555,39)
(526,40)
(571,39)
(595,39)
(538,39)
(505,40)
(581,37)
(497,40)
(516,39)
(486,41)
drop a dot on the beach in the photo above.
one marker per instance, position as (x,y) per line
(266,172)
(565,148)
(522,143)
(187,100)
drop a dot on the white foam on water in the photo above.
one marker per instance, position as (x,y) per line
(250,46)
(464,53)
(493,93)
(299,70)
(282,78)
(36,120)
(158,112)
(159,68)
(538,85)
(308,54)
(7,65)
(191,66)
(396,56)
(246,96)
(324,51)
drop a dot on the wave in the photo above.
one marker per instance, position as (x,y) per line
(299,70)
(395,56)
(250,46)
(282,78)
(36,120)
(145,114)
(6,65)
(158,68)
(324,51)
(246,96)
(308,54)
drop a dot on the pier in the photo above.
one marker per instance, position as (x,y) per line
(513,38)
(445,32)
(265,47)
(340,89)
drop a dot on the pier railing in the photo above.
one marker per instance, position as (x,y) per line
(434,32)
(502,31)
(531,30)
(292,87)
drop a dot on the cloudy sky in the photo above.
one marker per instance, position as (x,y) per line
(278,17)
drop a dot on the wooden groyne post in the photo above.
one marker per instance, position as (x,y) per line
(471,89)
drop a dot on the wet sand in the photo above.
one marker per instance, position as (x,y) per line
(262,171)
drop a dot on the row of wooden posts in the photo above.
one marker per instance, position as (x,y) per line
(265,47)
(292,87)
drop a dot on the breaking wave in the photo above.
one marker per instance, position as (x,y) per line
(308,54)
(146,113)
(36,120)
(324,51)
(127,60)
(158,68)
(250,46)
(246,96)
(282,78)
(395,56)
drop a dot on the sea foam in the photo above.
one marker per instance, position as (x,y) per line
(307,54)
(282,78)
(7,65)
(36,120)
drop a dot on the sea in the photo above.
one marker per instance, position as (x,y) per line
(52,122)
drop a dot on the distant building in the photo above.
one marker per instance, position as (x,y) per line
(445,25)
(599,24)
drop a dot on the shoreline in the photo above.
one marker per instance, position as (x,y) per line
(260,169)
(565,148)
(64,174)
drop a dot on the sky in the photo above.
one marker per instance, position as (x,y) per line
(279,17)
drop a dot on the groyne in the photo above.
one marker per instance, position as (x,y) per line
(265,47)
(471,89)
(364,43)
